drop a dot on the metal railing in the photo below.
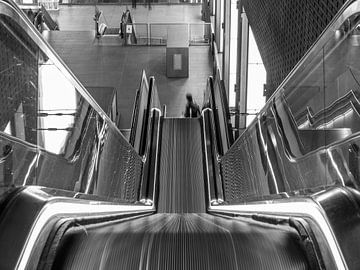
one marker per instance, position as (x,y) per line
(155,34)
(214,98)
(138,128)
(131,2)
(55,3)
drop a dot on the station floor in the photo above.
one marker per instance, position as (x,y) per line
(106,63)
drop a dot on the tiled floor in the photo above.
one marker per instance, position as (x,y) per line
(105,63)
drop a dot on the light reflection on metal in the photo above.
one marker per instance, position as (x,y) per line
(7,151)
(305,208)
(57,206)
(156,157)
(65,130)
(206,154)
(264,144)
(31,167)
(335,166)
(92,176)
(12,10)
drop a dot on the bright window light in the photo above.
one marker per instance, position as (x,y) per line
(56,96)
(256,80)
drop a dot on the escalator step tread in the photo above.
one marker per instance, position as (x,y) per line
(181,182)
(181,241)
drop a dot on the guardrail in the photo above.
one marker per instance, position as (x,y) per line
(138,125)
(213,178)
(155,34)
(148,3)
(215,98)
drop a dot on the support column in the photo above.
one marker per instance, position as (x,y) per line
(241,72)
(226,51)
(218,23)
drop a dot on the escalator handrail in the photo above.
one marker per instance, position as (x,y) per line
(223,136)
(226,112)
(214,182)
(43,206)
(225,107)
(290,207)
(137,131)
(150,139)
(209,102)
(150,169)
(152,99)
(134,117)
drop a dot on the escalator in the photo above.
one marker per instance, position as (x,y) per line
(180,194)
(181,235)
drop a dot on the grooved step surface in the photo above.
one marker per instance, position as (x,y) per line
(181,241)
(181,185)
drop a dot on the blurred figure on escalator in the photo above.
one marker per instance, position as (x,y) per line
(31,15)
(191,109)
(39,21)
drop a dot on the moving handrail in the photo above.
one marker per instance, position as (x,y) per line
(222,100)
(349,101)
(146,99)
(151,142)
(30,214)
(311,210)
(139,113)
(150,170)
(214,183)
(215,98)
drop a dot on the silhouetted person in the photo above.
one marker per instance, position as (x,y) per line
(134,3)
(123,25)
(96,19)
(191,109)
(31,15)
(39,20)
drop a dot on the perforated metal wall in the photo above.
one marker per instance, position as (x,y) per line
(243,173)
(18,76)
(284,30)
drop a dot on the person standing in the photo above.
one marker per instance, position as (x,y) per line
(31,15)
(39,21)
(192,109)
